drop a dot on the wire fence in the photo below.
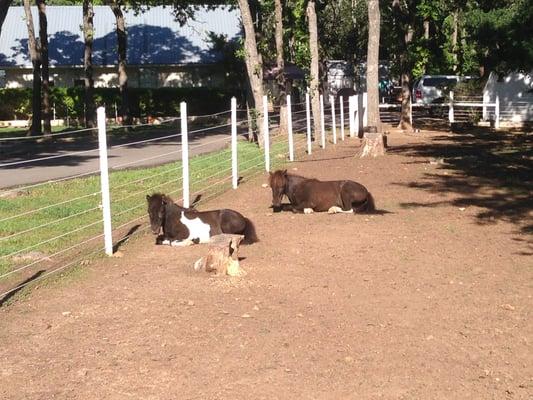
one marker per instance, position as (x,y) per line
(50,226)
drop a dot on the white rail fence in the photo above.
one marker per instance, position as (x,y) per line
(108,201)
(458,109)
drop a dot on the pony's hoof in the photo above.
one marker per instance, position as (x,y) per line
(308,210)
(166,241)
(334,210)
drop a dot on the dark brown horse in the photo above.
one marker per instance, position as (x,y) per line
(308,195)
(185,226)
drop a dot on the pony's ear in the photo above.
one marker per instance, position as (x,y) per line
(148,197)
(164,199)
(284,172)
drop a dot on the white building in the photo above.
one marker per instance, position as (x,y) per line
(515,92)
(160,52)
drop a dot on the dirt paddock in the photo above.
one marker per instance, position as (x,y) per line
(429,299)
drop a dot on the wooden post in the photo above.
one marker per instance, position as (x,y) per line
(222,256)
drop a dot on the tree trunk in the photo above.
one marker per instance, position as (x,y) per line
(454,40)
(4,7)
(45,73)
(426,28)
(122,73)
(314,78)
(35,128)
(373,139)
(372,78)
(88,34)
(405,114)
(253,66)
(222,256)
(281,79)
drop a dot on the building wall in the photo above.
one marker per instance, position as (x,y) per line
(515,92)
(144,77)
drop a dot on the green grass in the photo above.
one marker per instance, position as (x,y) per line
(210,175)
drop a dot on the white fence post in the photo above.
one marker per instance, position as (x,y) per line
(104,181)
(357,115)
(351,114)
(334,124)
(341,105)
(308,117)
(450,109)
(289,128)
(497,112)
(322,127)
(185,154)
(266,133)
(234,166)
(486,99)
(365,109)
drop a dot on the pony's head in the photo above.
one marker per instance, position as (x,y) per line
(278,183)
(156,210)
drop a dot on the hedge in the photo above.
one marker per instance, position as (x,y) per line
(16,103)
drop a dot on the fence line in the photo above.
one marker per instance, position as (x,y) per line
(226,172)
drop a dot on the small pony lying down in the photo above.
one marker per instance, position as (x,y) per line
(308,195)
(187,226)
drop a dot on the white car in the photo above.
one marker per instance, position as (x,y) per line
(431,89)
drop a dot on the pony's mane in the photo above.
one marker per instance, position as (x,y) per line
(280,177)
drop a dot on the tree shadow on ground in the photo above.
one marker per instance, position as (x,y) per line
(491,170)
(5,299)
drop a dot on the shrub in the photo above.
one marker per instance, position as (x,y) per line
(160,102)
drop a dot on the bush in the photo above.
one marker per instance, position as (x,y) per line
(160,102)
(15,104)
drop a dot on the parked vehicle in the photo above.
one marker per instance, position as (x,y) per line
(340,75)
(432,89)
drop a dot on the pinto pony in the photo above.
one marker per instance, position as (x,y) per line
(186,226)
(308,195)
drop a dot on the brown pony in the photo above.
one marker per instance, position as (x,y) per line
(308,195)
(185,226)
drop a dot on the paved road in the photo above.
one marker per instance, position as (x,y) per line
(86,160)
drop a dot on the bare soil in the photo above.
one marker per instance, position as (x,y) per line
(429,299)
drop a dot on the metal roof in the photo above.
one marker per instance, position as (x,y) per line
(154,37)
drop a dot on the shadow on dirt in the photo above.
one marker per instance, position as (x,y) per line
(19,287)
(287,207)
(489,169)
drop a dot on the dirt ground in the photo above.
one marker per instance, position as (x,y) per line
(429,299)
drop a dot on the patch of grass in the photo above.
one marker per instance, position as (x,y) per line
(65,223)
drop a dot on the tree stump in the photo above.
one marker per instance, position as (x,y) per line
(222,256)
(373,143)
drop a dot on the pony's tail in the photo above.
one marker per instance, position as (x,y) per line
(250,236)
(369,205)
